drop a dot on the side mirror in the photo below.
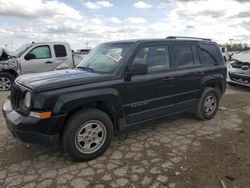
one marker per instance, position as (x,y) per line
(138,68)
(29,57)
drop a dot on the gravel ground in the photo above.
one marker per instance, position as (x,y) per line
(157,154)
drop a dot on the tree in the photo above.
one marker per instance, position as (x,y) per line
(236,46)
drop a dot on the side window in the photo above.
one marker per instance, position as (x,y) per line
(60,50)
(186,55)
(196,55)
(156,57)
(41,52)
(210,54)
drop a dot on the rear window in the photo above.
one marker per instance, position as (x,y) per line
(210,54)
(186,55)
(60,50)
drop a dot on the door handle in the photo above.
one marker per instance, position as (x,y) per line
(48,62)
(168,78)
(200,73)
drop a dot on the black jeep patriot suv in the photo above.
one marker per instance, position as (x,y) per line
(119,84)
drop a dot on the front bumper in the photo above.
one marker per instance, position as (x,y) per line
(239,79)
(33,130)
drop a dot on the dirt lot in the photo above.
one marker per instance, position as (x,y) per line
(176,152)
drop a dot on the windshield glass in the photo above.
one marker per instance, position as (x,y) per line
(22,49)
(105,58)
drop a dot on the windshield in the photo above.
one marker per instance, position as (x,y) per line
(105,58)
(22,49)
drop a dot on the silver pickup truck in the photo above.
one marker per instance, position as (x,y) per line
(35,58)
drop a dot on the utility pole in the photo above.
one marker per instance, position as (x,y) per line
(231,42)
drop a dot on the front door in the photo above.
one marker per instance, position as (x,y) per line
(41,61)
(152,95)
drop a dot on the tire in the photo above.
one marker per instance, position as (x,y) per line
(204,111)
(6,81)
(231,84)
(87,135)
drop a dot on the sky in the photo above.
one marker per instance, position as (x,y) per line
(87,23)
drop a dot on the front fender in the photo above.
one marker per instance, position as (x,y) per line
(109,96)
(9,65)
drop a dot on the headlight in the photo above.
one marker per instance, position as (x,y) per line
(27,99)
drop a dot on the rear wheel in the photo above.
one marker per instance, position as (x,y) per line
(6,80)
(87,135)
(231,84)
(208,104)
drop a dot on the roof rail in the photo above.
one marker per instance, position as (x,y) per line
(181,37)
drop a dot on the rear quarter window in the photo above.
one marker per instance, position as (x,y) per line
(210,54)
(60,50)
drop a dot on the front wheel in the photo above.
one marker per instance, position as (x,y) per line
(6,80)
(208,104)
(87,135)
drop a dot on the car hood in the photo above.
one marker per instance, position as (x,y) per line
(239,67)
(60,79)
(5,55)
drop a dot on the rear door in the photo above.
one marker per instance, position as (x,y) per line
(151,95)
(189,75)
(63,57)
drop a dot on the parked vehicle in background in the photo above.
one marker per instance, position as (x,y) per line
(227,56)
(118,85)
(80,54)
(83,51)
(35,58)
(239,69)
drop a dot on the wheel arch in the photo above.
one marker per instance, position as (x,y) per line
(11,71)
(216,84)
(108,103)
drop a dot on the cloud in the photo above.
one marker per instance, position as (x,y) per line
(171,1)
(205,13)
(132,29)
(97,5)
(115,20)
(245,25)
(244,14)
(209,11)
(5,33)
(96,21)
(35,9)
(141,5)
(212,13)
(46,20)
(190,27)
(61,29)
(135,20)
(242,1)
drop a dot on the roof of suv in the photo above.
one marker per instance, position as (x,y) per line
(181,39)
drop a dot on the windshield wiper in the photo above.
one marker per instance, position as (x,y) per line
(86,68)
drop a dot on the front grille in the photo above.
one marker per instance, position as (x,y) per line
(15,96)
(240,78)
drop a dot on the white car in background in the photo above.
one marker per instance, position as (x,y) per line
(35,58)
(226,55)
(239,69)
